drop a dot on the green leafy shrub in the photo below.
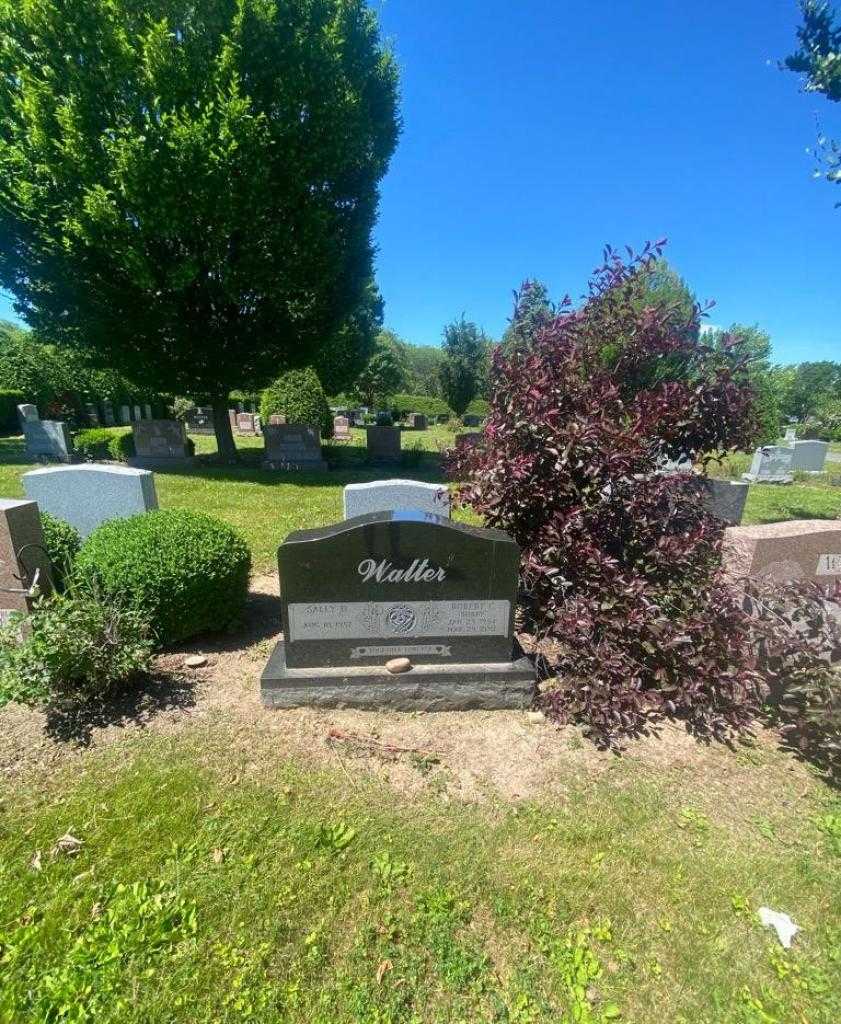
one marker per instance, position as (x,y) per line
(299,396)
(185,570)
(93,444)
(9,402)
(425,404)
(478,407)
(76,646)
(62,543)
(121,446)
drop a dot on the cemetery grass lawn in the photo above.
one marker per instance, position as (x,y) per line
(218,881)
(265,506)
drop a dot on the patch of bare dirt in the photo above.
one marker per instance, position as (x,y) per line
(467,755)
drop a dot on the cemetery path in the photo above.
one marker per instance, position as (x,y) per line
(476,756)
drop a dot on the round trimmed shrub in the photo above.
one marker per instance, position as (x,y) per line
(121,446)
(187,572)
(62,543)
(299,396)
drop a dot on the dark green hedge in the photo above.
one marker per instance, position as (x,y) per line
(9,402)
(299,396)
(100,443)
(187,572)
(426,404)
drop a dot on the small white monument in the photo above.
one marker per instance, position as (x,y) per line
(396,496)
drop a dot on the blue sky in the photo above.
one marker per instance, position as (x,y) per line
(537,130)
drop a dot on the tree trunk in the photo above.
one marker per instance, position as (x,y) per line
(222,428)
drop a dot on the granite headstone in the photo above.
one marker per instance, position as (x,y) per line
(341,428)
(48,441)
(808,549)
(393,495)
(24,562)
(160,443)
(357,595)
(725,499)
(810,456)
(772,464)
(293,446)
(87,495)
(383,444)
(27,413)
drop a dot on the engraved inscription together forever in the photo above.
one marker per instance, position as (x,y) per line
(380,620)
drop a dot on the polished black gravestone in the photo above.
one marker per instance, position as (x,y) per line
(391,585)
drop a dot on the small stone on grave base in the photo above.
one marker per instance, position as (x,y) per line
(396,665)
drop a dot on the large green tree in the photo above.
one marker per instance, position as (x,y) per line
(384,373)
(818,59)
(188,187)
(754,345)
(464,369)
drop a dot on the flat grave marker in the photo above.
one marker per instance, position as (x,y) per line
(361,594)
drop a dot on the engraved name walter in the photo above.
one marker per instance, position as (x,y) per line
(383,571)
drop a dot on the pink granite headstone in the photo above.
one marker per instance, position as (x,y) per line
(808,549)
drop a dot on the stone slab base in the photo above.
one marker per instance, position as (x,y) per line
(488,686)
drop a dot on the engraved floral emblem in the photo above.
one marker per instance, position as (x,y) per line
(401,619)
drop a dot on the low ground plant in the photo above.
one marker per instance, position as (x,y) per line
(62,543)
(76,646)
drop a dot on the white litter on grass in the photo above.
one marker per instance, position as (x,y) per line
(782,924)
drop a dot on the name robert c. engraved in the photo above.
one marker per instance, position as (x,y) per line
(420,571)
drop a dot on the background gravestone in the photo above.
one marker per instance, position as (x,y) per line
(341,428)
(108,413)
(27,413)
(790,435)
(417,421)
(725,499)
(22,556)
(138,415)
(392,495)
(383,444)
(392,585)
(88,495)
(772,464)
(471,420)
(807,549)
(160,443)
(48,440)
(200,420)
(246,423)
(125,415)
(810,456)
(291,446)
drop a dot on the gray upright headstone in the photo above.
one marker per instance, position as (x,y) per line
(383,444)
(810,456)
(125,415)
(725,499)
(27,413)
(108,414)
(393,495)
(160,443)
(88,495)
(771,464)
(291,446)
(402,610)
(48,440)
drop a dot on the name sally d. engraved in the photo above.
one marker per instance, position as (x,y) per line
(384,619)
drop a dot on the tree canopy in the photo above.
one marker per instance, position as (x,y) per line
(188,190)
(384,373)
(464,369)
(818,58)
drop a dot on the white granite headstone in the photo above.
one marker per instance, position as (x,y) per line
(772,464)
(810,455)
(395,496)
(88,495)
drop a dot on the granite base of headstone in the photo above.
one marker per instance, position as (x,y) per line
(810,456)
(87,495)
(48,441)
(293,446)
(383,444)
(805,549)
(771,464)
(725,499)
(160,444)
(394,496)
(358,595)
(25,569)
